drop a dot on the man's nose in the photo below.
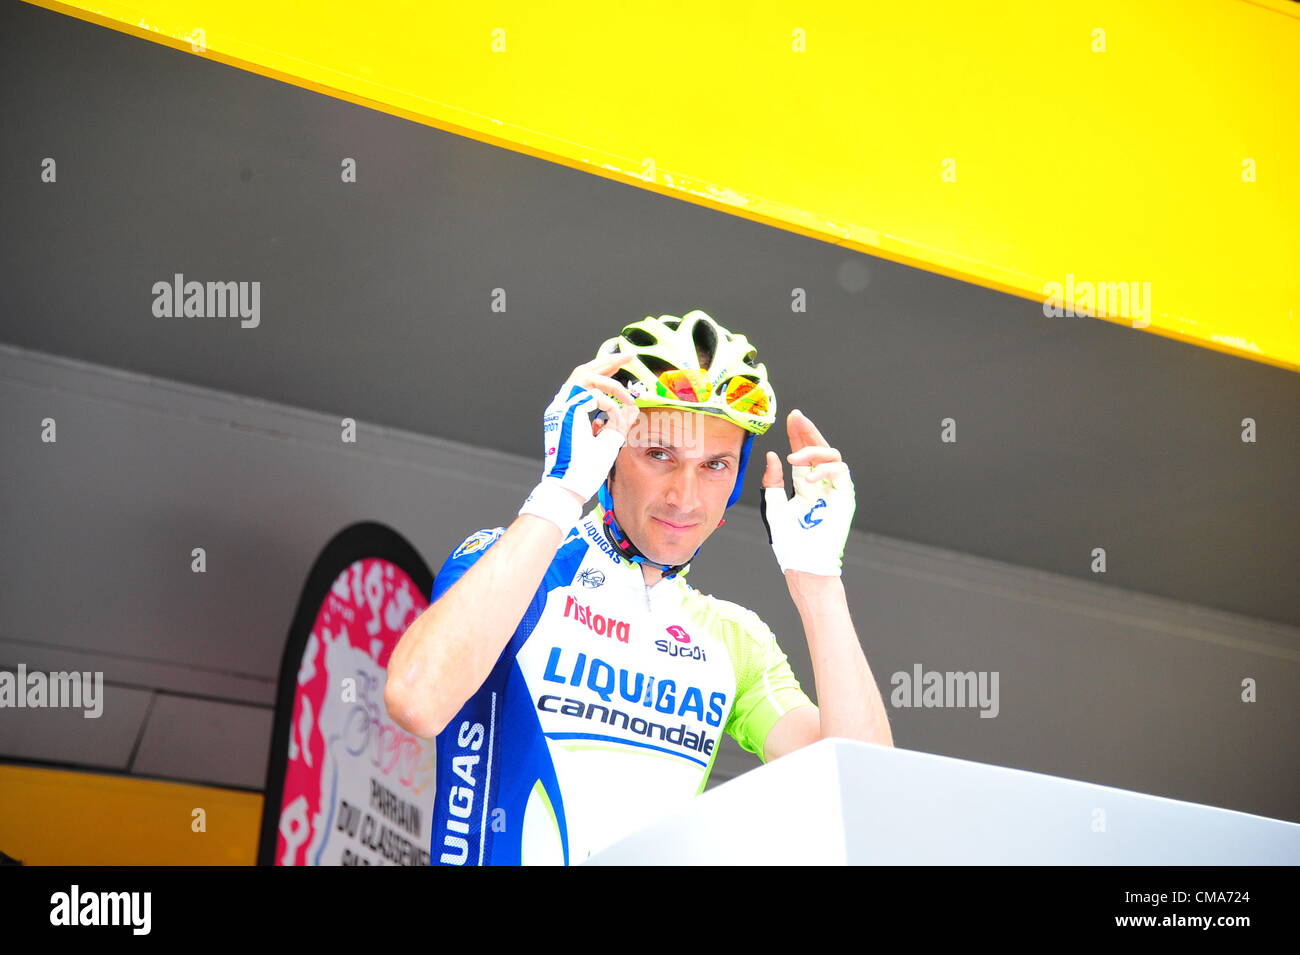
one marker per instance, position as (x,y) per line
(684,490)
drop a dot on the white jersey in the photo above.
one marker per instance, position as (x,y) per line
(604,711)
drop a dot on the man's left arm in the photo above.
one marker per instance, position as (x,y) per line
(850,704)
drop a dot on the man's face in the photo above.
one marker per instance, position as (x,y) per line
(672,479)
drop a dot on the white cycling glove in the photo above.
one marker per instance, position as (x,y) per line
(808,531)
(575,459)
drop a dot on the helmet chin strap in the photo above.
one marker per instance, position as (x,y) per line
(619,538)
(616,536)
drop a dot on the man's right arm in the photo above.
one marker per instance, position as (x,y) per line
(447,653)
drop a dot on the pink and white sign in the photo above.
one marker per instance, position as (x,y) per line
(357,788)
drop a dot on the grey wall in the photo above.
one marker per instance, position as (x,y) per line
(1095,683)
(377,297)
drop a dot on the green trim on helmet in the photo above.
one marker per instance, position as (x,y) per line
(693,342)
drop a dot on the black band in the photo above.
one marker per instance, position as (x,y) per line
(762,510)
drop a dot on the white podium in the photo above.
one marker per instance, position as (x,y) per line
(842,802)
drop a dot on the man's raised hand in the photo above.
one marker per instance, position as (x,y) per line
(808,532)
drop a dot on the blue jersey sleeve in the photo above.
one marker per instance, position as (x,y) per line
(462,559)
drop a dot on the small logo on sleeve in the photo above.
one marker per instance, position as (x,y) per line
(477,541)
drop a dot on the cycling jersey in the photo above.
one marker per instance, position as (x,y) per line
(604,711)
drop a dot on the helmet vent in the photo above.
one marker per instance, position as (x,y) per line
(656,365)
(624,377)
(706,343)
(751,358)
(722,386)
(639,337)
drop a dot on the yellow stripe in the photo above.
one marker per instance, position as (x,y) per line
(58,817)
(1108,143)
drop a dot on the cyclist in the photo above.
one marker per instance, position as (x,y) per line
(577,685)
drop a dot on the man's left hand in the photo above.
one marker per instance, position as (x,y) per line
(808,532)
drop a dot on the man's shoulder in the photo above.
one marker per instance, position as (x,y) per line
(478,541)
(481,540)
(732,619)
(572,551)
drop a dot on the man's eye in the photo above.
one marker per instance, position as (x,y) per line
(657,451)
(722,463)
